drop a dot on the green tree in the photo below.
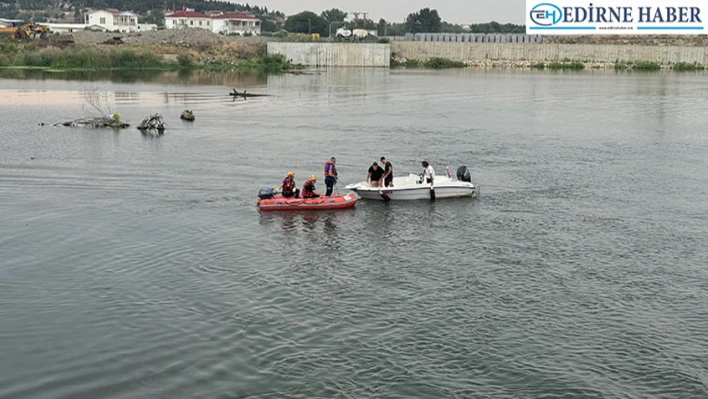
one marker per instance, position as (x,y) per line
(425,20)
(268,25)
(381,28)
(334,15)
(307,22)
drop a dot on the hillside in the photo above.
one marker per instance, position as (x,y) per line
(142,6)
(42,10)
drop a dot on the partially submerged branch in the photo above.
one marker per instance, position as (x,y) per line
(243,94)
(152,122)
(95,122)
(97,100)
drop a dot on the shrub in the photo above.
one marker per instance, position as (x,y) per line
(566,65)
(185,62)
(687,66)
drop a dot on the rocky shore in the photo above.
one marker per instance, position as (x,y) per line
(166,36)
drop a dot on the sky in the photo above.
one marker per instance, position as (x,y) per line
(453,11)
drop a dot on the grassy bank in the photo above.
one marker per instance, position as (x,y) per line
(432,63)
(559,65)
(215,57)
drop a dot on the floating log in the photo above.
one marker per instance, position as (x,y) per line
(152,122)
(94,122)
(243,94)
(187,115)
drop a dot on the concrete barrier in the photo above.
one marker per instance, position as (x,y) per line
(539,52)
(335,54)
(478,48)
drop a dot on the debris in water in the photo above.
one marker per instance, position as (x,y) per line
(187,115)
(152,122)
(96,122)
(243,94)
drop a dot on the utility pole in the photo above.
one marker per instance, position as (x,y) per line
(309,26)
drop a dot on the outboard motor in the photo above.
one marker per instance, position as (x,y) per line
(266,193)
(463,174)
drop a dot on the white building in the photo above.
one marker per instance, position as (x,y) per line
(70,28)
(215,21)
(112,20)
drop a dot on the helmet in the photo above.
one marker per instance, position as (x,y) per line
(291,174)
(313,178)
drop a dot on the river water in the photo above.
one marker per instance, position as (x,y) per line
(138,266)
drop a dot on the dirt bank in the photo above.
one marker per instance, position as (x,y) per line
(167,36)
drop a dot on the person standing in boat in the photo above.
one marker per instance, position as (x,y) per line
(308,189)
(287,187)
(330,172)
(388,172)
(375,174)
(428,172)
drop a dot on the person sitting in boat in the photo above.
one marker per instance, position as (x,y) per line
(308,189)
(428,172)
(375,174)
(287,187)
(330,172)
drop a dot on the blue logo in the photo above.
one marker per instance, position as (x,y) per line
(546,14)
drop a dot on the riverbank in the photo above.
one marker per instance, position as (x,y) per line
(212,56)
(566,64)
(528,55)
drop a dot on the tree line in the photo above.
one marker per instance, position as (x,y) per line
(422,21)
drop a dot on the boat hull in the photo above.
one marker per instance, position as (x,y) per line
(280,203)
(410,188)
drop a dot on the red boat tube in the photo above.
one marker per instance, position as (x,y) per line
(269,201)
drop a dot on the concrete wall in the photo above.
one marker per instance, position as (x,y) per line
(474,37)
(547,52)
(334,54)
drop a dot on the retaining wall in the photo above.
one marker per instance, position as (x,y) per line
(474,37)
(334,54)
(538,52)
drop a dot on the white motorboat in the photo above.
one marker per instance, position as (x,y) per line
(412,187)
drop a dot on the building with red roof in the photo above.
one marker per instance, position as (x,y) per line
(215,21)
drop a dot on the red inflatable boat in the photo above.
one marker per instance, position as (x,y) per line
(268,200)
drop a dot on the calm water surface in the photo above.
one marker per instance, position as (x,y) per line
(138,266)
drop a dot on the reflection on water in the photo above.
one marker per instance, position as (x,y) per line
(209,78)
(292,221)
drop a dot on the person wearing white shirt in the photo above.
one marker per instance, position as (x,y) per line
(428,172)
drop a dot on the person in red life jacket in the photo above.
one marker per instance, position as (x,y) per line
(308,189)
(330,172)
(287,187)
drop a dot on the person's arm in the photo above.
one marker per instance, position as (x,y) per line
(368,176)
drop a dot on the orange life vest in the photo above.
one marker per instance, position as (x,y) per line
(308,189)
(288,185)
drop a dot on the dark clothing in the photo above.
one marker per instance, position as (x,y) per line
(308,190)
(389,179)
(329,182)
(375,173)
(288,194)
